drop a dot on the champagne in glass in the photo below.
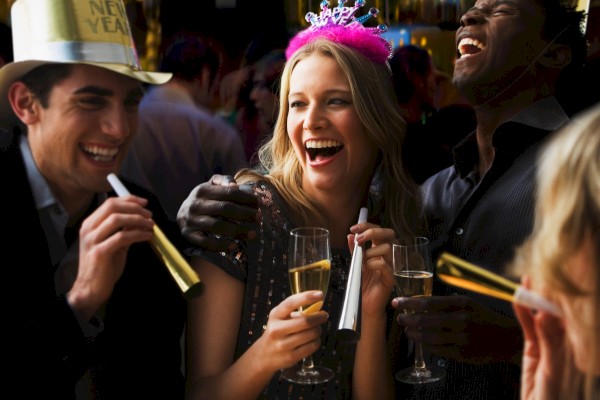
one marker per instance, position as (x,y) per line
(413,272)
(309,264)
(414,283)
(310,277)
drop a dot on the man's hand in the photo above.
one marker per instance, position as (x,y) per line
(459,328)
(217,207)
(104,240)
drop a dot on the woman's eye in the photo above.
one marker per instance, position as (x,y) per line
(295,104)
(339,102)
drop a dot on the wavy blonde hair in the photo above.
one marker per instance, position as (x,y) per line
(394,197)
(568,213)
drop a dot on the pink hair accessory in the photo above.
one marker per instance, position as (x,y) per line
(339,25)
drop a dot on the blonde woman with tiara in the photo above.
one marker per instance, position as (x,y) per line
(561,258)
(335,148)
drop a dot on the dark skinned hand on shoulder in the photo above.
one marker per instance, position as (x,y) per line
(217,212)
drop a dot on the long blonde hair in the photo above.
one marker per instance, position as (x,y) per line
(394,197)
(567,213)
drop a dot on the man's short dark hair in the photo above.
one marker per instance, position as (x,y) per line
(42,79)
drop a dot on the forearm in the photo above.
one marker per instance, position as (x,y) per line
(372,378)
(246,378)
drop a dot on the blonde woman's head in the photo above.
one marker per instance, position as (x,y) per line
(562,256)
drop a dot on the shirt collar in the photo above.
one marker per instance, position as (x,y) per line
(42,194)
(546,114)
(543,116)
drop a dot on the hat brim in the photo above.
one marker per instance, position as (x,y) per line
(11,72)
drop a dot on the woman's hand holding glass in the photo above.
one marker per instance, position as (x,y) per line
(290,335)
(309,266)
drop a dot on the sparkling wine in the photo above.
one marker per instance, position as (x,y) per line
(313,276)
(414,283)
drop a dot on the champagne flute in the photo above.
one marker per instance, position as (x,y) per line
(309,264)
(413,272)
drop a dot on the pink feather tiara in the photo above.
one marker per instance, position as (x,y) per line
(339,25)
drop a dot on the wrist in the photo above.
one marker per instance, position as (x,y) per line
(80,302)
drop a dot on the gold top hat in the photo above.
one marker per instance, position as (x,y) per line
(94,32)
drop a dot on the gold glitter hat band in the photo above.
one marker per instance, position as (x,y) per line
(78,52)
(94,32)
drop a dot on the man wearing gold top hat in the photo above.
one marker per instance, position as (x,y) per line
(88,309)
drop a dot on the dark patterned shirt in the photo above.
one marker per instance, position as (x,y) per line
(262,265)
(483,221)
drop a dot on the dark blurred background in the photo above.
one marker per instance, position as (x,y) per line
(236,24)
(430,24)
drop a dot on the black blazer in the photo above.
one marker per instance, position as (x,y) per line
(44,352)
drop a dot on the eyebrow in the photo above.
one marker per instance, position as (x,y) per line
(329,92)
(494,4)
(94,90)
(91,89)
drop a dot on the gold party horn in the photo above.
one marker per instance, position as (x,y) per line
(460,273)
(180,269)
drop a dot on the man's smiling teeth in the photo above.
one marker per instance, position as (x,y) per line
(468,46)
(324,148)
(101,153)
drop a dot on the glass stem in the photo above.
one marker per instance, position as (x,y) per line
(419,361)
(307,364)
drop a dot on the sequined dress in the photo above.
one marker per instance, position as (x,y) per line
(261,265)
